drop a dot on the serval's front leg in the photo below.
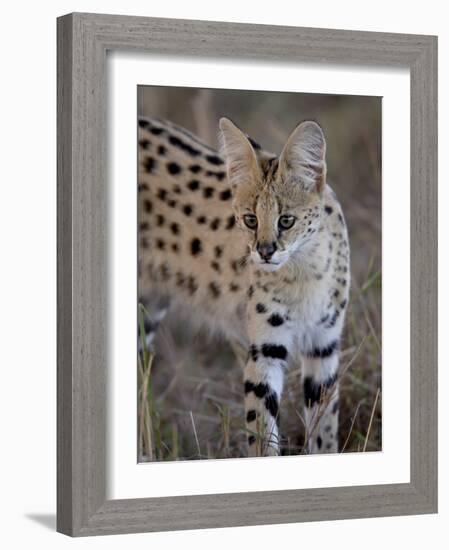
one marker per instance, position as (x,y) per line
(264,376)
(320,367)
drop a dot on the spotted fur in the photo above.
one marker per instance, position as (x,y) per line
(215,233)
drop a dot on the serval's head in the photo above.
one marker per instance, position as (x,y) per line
(276,200)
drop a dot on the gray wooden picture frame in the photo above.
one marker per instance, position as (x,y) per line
(83,41)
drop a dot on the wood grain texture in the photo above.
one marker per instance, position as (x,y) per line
(83,40)
(423,274)
(64,275)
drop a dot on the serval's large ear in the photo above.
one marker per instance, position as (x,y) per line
(303,158)
(241,160)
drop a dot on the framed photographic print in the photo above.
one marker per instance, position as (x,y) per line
(246,274)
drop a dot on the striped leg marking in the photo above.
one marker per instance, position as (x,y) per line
(320,384)
(264,376)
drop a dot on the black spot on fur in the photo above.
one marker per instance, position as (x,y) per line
(248,386)
(144,242)
(216,266)
(143,187)
(275,320)
(233,287)
(193,185)
(274,351)
(173,168)
(145,143)
(328,209)
(172,203)
(174,228)
(324,318)
(322,353)
(143,123)
(196,247)
(219,175)
(162,194)
(175,247)
(186,147)
(214,289)
(230,222)
(250,291)
(319,442)
(214,159)
(144,226)
(160,220)
(208,192)
(148,206)
(180,278)
(201,220)
(156,131)
(272,405)
(260,390)
(195,168)
(260,308)
(251,439)
(225,195)
(313,391)
(215,224)
(251,415)
(239,265)
(340,218)
(149,164)
(254,352)
(218,251)
(161,150)
(333,319)
(187,209)
(192,285)
(160,244)
(177,189)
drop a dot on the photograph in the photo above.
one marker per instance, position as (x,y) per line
(259,306)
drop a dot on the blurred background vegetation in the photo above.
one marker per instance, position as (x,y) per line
(190,394)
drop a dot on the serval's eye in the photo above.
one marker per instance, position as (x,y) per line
(286,222)
(250,220)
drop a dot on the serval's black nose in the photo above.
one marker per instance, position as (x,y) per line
(266,250)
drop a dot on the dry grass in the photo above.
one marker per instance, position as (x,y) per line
(191,399)
(190,393)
